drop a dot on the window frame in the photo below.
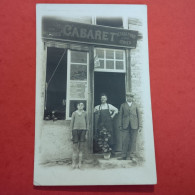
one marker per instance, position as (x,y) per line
(114,59)
(68,98)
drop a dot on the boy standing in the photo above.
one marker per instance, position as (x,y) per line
(78,126)
(129,126)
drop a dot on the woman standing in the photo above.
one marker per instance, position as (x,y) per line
(104,113)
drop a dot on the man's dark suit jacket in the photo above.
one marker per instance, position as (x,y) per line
(129,115)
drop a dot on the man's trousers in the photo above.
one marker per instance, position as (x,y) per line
(129,138)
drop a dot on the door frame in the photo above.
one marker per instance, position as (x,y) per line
(91,90)
(90,109)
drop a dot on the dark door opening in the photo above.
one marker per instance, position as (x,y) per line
(113,85)
(56,78)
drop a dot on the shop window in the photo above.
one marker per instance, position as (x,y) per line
(109,60)
(66,82)
(55,88)
(110,21)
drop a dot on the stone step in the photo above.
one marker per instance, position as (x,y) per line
(115,163)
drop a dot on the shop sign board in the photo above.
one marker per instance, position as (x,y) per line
(87,33)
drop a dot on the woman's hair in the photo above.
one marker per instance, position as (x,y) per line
(103,94)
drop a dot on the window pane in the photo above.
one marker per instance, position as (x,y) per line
(119,65)
(78,57)
(101,64)
(110,21)
(78,72)
(109,54)
(109,64)
(100,53)
(78,90)
(80,19)
(119,55)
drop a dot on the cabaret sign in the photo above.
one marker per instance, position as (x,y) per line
(90,34)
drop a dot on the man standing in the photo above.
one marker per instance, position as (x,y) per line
(129,126)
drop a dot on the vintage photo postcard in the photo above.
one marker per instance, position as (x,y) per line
(93,107)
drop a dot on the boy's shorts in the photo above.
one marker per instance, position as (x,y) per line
(78,135)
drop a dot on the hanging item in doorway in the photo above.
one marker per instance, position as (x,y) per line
(96,62)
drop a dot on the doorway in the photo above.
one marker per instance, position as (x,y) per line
(113,85)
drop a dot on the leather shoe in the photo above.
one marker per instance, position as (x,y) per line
(122,158)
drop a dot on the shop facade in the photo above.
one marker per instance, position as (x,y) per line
(82,58)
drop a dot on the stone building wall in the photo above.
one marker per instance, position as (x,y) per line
(137,64)
(56,144)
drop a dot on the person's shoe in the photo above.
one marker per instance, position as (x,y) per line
(122,158)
